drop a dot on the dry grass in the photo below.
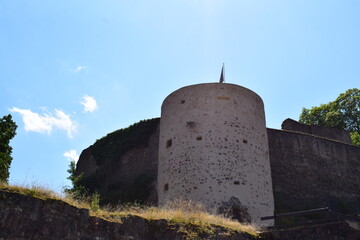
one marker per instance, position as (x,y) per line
(32,190)
(35,190)
(180,211)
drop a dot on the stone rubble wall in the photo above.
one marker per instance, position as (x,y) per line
(341,230)
(311,172)
(213,147)
(321,131)
(307,171)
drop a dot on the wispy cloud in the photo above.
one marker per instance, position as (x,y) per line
(79,68)
(89,103)
(71,155)
(46,122)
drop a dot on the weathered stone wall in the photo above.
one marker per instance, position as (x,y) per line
(24,217)
(326,132)
(128,176)
(310,172)
(213,147)
(330,231)
(87,163)
(307,171)
(139,166)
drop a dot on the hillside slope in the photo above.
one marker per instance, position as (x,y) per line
(33,217)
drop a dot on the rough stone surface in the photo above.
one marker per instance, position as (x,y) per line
(311,172)
(24,217)
(321,131)
(139,161)
(87,163)
(307,171)
(125,170)
(233,209)
(329,231)
(213,146)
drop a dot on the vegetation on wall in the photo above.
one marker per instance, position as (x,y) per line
(120,141)
(7,132)
(343,113)
(106,151)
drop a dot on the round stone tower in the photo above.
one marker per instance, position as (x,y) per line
(213,147)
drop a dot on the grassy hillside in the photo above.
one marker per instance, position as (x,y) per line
(192,217)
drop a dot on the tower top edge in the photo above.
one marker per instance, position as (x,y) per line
(214,86)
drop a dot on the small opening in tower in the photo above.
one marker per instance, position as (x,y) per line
(168,143)
(245,141)
(166,186)
(223,98)
(190,124)
(199,138)
(237,182)
(182,101)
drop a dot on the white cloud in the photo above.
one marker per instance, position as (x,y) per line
(89,103)
(46,122)
(79,68)
(71,156)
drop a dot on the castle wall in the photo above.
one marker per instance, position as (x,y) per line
(326,132)
(307,171)
(310,172)
(124,176)
(213,146)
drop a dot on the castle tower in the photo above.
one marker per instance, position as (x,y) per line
(213,146)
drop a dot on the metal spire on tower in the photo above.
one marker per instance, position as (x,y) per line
(222,75)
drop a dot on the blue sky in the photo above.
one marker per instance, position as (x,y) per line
(73,71)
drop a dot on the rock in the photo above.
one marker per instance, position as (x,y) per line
(235,210)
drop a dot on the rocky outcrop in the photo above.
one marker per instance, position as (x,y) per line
(25,217)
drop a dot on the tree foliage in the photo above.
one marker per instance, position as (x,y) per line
(343,113)
(7,132)
(77,191)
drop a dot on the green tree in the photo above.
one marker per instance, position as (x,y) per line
(77,191)
(342,113)
(7,132)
